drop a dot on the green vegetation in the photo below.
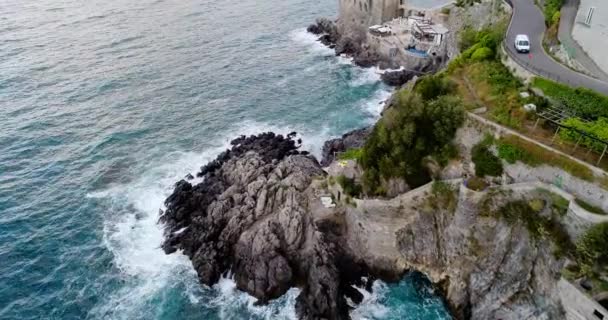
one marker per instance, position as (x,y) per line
(539,226)
(466,3)
(552,11)
(482,80)
(592,248)
(598,129)
(516,149)
(589,207)
(443,196)
(486,163)
(349,185)
(445,10)
(583,102)
(351,154)
(445,154)
(476,183)
(421,123)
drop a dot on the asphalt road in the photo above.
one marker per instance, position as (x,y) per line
(528,19)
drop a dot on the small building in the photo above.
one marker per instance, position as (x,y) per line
(591,30)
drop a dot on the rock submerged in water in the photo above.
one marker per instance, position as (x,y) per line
(253,216)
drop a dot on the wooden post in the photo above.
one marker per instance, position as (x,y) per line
(536,124)
(603,153)
(577,142)
(555,135)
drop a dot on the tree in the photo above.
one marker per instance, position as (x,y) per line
(413,129)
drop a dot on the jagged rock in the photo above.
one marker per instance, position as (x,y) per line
(353,139)
(397,78)
(252,215)
(488,268)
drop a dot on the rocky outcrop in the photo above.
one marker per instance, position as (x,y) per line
(350,140)
(256,214)
(488,268)
(397,78)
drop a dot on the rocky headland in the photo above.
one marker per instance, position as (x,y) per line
(258,215)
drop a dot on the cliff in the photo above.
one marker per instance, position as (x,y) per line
(258,214)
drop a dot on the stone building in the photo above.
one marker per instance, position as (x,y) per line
(591,30)
(357,15)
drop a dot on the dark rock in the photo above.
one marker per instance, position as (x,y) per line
(397,78)
(189,177)
(353,139)
(251,215)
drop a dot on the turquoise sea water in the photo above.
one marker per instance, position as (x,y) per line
(105,104)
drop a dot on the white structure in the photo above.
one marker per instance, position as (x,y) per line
(591,30)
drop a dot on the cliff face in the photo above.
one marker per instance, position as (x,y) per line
(488,268)
(258,214)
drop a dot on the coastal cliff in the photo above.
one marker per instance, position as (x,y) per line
(258,215)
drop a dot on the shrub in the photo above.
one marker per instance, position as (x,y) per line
(476,183)
(445,10)
(486,163)
(483,53)
(446,153)
(592,247)
(552,8)
(350,187)
(433,86)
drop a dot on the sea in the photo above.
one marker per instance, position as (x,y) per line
(105,104)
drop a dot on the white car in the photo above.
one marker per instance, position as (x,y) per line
(522,43)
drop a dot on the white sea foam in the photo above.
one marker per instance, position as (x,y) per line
(371,307)
(365,76)
(374,105)
(133,236)
(311,42)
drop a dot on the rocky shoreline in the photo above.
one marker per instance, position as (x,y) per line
(362,56)
(256,214)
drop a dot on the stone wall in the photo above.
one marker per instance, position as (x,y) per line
(577,305)
(355,16)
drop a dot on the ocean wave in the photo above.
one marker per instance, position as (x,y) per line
(374,105)
(311,42)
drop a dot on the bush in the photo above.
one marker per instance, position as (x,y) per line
(483,53)
(583,102)
(445,10)
(407,133)
(552,8)
(486,163)
(433,86)
(350,187)
(476,183)
(593,246)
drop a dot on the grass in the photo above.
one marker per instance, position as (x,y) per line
(351,154)
(583,102)
(516,149)
(589,207)
(491,84)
